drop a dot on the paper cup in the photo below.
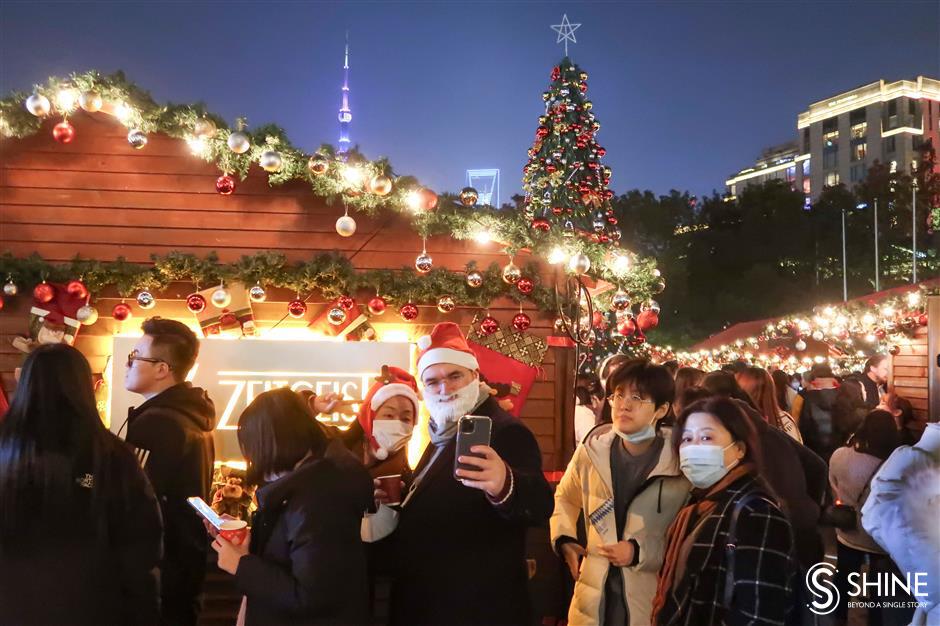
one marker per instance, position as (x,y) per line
(392,486)
(234,531)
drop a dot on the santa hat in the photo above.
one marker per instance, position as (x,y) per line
(445,344)
(392,382)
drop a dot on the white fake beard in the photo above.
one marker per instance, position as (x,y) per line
(446,408)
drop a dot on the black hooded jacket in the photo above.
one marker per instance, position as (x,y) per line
(172,437)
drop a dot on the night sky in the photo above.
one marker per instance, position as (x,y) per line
(686,92)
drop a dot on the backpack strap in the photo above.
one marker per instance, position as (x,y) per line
(732,540)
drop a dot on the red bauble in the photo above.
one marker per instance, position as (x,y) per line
(612,221)
(521,322)
(346,303)
(880,333)
(922,319)
(550,168)
(196,303)
(76,289)
(489,325)
(225,185)
(597,320)
(601,151)
(377,305)
(647,320)
(408,312)
(627,327)
(429,199)
(43,292)
(297,308)
(541,132)
(1,303)
(525,286)
(541,224)
(583,87)
(557,210)
(63,132)
(121,311)
(556,73)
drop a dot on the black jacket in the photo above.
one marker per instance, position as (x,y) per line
(63,572)
(307,563)
(857,396)
(764,572)
(172,436)
(460,559)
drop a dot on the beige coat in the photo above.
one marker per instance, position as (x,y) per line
(586,486)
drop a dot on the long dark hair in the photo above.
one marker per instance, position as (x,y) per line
(276,431)
(877,435)
(781,384)
(55,451)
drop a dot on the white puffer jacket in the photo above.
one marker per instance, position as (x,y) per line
(587,486)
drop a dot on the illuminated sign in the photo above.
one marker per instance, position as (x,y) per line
(235,371)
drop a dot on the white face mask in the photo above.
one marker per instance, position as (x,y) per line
(446,408)
(391,435)
(704,465)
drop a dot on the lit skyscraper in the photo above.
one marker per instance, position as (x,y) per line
(345,115)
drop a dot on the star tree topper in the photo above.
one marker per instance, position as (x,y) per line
(565,31)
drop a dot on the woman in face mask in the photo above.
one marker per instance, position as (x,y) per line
(703,580)
(387,418)
(625,479)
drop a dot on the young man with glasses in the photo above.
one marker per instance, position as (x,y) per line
(172,435)
(626,480)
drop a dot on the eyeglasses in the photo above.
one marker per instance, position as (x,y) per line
(621,399)
(134,357)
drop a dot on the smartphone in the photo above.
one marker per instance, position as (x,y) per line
(206,511)
(472,430)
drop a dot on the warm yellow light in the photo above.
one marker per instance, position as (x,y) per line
(868,319)
(888,311)
(65,100)
(414,200)
(484,236)
(842,320)
(829,311)
(556,256)
(913,298)
(353,175)
(239,465)
(820,359)
(197,145)
(870,338)
(122,111)
(620,264)
(394,335)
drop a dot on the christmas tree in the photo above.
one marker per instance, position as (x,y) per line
(565,181)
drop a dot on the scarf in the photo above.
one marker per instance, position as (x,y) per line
(679,530)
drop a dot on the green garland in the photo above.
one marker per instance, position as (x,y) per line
(329,274)
(511,228)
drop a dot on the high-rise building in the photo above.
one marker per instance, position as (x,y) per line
(345,115)
(784,162)
(840,137)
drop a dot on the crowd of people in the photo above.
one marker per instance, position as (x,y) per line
(691,497)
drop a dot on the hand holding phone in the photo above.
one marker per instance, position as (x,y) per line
(472,430)
(233,530)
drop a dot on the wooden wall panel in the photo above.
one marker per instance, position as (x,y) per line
(909,372)
(99,198)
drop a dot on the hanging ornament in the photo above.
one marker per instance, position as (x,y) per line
(489,325)
(377,305)
(238,142)
(541,224)
(647,320)
(469,196)
(10,288)
(221,297)
(922,319)
(137,138)
(380,185)
(121,311)
(204,128)
(87,315)
(145,300)
(336,316)
(525,286)
(800,345)
(76,289)
(627,326)
(599,223)
(91,101)
(270,161)
(346,303)
(424,262)
(196,303)
(63,132)
(318,164)
(446,304)
(620,301)
(659,286)
(346,226)
(579,263)
(651,305)
(297,308)
(38,105)
(894,350)
(599,320)
(408,312)
(257,293)
(474,279)
(521,322)
(225,185)
(511,273)
(43,292)
(428,199)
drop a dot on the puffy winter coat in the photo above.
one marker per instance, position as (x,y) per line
(586,486)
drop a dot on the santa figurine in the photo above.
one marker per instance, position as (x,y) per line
(52,322)
(387,418)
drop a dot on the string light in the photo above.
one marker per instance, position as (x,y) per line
(484,236)
(556,256)
(413,200)
(65,100)
(197,145)
(122,111)
(353,175)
